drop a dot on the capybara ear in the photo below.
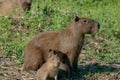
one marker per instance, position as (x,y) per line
(55,53)
(76,18)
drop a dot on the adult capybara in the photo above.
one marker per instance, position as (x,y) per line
(49,70)
(70,41)
(14,6)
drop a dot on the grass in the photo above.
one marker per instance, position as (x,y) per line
(55,15)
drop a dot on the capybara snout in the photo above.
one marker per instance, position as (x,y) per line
(94,27)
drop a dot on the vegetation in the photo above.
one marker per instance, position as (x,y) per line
(55,15)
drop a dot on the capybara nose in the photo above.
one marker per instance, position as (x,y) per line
(98,26)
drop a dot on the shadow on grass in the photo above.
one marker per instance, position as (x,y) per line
(92,69)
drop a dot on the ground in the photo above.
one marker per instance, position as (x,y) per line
(88,70)
(11,71)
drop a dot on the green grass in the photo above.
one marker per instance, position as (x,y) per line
(55,15)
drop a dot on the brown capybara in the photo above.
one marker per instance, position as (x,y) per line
(49,70)
(65,67)
(70,41)
(14,6)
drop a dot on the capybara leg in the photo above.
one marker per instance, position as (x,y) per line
(74,70)
(33,59)
(75,65)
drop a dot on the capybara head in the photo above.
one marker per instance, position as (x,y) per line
(58,53)
(53,58)
(86,25)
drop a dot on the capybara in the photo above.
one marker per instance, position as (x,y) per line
(65,67)
(14,6)
(49,70)
(70,41)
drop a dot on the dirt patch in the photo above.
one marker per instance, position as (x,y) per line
(10,71)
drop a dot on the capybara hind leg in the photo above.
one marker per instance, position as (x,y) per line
(33,58)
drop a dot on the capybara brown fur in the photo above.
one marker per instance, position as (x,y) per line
(14,6)
(70,41)
(49,70)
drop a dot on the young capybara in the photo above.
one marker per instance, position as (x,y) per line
(49,70)
(70,41)
(14,6)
